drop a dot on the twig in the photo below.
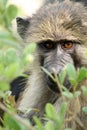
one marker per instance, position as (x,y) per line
(16,117)
(78,121)
(57,81)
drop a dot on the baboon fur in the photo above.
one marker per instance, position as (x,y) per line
(59,21)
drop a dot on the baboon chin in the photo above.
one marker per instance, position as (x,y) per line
(60,33)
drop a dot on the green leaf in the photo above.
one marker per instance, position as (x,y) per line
(84,89)
(71,71)
(63,109)
(50,111)
(1,57)
(38,123)
(73,82)
(11,123)
(9,42)
(67,129)
(11,12)
(27,56)
(29,49)
(82,74)
(61,115)
(4,86)
(4,34)
(62,76)
(1,69)
(1,19)
(84,110)
(68,94)
(5,2)
(49,126)
(10,56)
(77,94)
(59,124)
(12,70)
(27,59)
(72,74)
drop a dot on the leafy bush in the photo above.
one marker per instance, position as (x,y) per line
(13,65)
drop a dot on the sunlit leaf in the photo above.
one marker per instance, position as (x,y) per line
(71,71)
(4,86)
(67,129)
(82,74)
(1,69)
(71,74)
(11,123)
(11,12)
(29,49)
(50,111)
(77,93)
(38,123)
(63,109)
(10,56)
(62,76)
(12,70)
(49,126)
(84,109)
(84,89)
(68,94)
(5,2)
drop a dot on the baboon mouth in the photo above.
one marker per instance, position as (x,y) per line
(53,86)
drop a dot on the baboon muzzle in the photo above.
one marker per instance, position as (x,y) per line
(53,85)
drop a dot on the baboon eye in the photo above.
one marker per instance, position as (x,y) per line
(48,45)
(67,45)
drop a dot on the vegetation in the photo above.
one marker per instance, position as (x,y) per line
(13,63)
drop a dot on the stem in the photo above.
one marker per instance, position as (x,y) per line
(16,117)
(57,81)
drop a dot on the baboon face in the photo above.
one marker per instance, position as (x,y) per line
(56,55)
(60,31)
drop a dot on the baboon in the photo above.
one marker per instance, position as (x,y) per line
(60,33)
(52,1)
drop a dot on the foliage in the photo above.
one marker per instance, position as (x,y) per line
(13,64)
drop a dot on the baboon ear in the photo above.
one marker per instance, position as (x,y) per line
(22,26)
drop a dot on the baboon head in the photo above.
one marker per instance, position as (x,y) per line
(60,32)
